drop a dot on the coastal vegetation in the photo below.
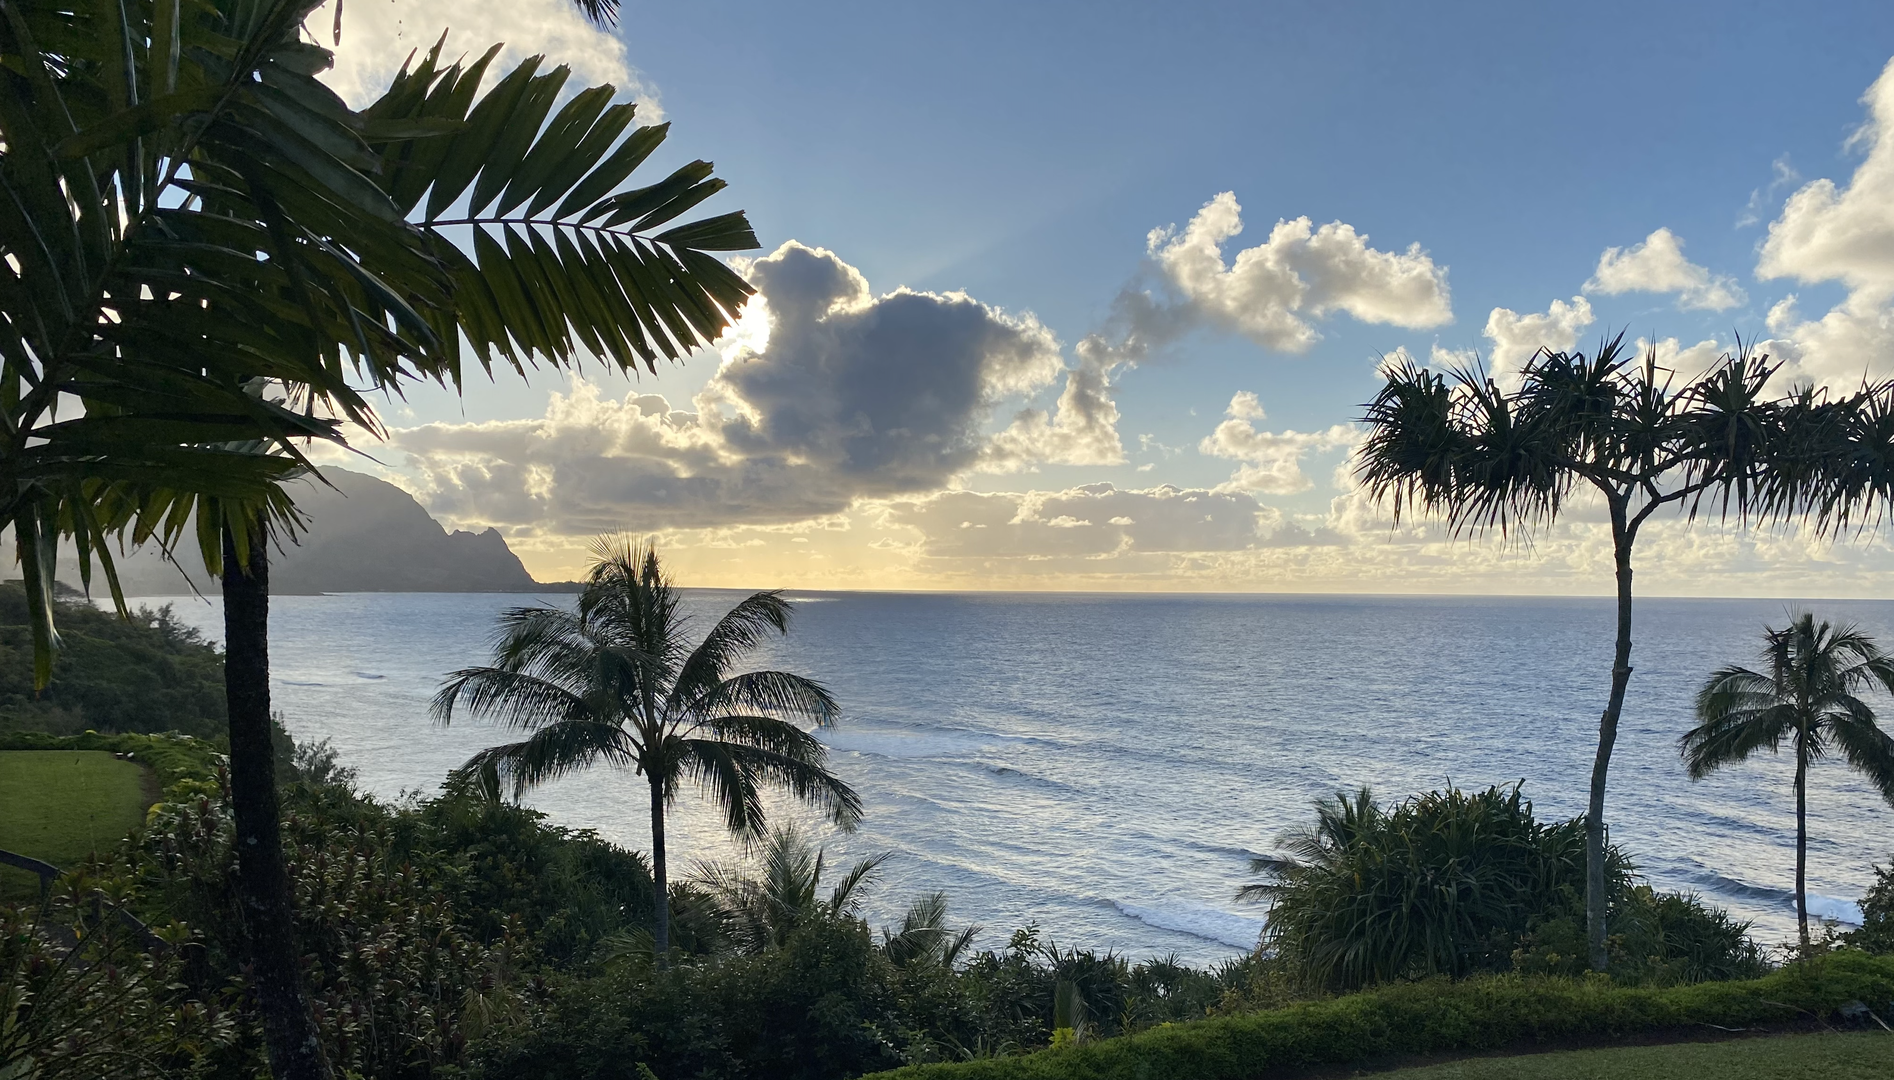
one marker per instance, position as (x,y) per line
(1510,458)
(1809,698)
(146,672)
(218,261)
(1455,883)
(617,682)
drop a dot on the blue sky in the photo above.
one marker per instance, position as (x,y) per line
(1022,153)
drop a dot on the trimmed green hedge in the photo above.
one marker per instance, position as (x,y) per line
(173,758)
(1437,1017)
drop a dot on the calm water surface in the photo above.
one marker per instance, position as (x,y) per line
(1105,766)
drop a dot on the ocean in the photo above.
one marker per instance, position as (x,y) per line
(1105,766)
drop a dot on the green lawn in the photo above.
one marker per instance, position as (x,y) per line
(61,805)
(1861,1055)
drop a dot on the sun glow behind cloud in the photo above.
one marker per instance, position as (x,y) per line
(854,438)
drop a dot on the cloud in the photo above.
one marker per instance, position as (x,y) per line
(1272,459)
(1657,265)
(1782,175)
(1515,338)
(1276,293)
(379,35)
(1093,522)
(1082,429)
(1827,232)
(848,395)
(1831,233)
(1854,340)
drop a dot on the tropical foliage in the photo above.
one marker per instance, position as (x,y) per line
(146,673)
(1876,933)
(1808,696)
(212,257)
(617,682)
(1511,459)
(1454,883)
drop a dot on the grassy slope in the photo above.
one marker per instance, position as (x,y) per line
(62,805)
(1860,1055)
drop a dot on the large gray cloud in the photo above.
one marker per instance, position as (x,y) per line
(853,395)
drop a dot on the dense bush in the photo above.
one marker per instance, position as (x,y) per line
(425,923)
(1438,1016)
(149,673)
(1876,933)
(1455,883)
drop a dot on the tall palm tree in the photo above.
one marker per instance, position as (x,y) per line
(1509,460)
(616,683)
(1808,697)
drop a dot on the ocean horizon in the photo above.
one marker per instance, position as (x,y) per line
(1105,765)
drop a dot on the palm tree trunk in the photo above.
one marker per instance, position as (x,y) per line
(1596,896)
(289,1030)
(1802,838)
(661,893)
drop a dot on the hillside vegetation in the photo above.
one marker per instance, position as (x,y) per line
(150,673)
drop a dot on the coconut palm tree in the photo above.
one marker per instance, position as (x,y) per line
(1509,460)
(1809,697)
(616,683)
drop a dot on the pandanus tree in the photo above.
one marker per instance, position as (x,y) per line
(1809,695)
(617,682)
(1511,460)
(208,259)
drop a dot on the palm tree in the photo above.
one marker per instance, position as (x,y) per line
(615,682)
(1509,460)
(759,907)
(217,260)
(1808,697)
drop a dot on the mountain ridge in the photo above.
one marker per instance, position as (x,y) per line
(362,534)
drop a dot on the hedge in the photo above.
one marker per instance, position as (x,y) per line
(1437,1017)
(172,758)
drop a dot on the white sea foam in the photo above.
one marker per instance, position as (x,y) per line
(1198,920)
(1831,907)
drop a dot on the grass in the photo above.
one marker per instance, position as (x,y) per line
(1856,1055)
(60,806)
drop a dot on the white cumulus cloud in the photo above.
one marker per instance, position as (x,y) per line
(1830,232)
(1276,292)
(1657,265)
(379,35)
(1272,460)
(1514,338)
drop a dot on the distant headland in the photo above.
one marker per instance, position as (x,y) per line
(363,535)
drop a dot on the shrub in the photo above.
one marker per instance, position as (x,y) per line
(817,1007)
(1456,883)
(1446,883)
(1439,1016)
(1876,934)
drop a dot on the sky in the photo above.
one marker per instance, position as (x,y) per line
(1089,296)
